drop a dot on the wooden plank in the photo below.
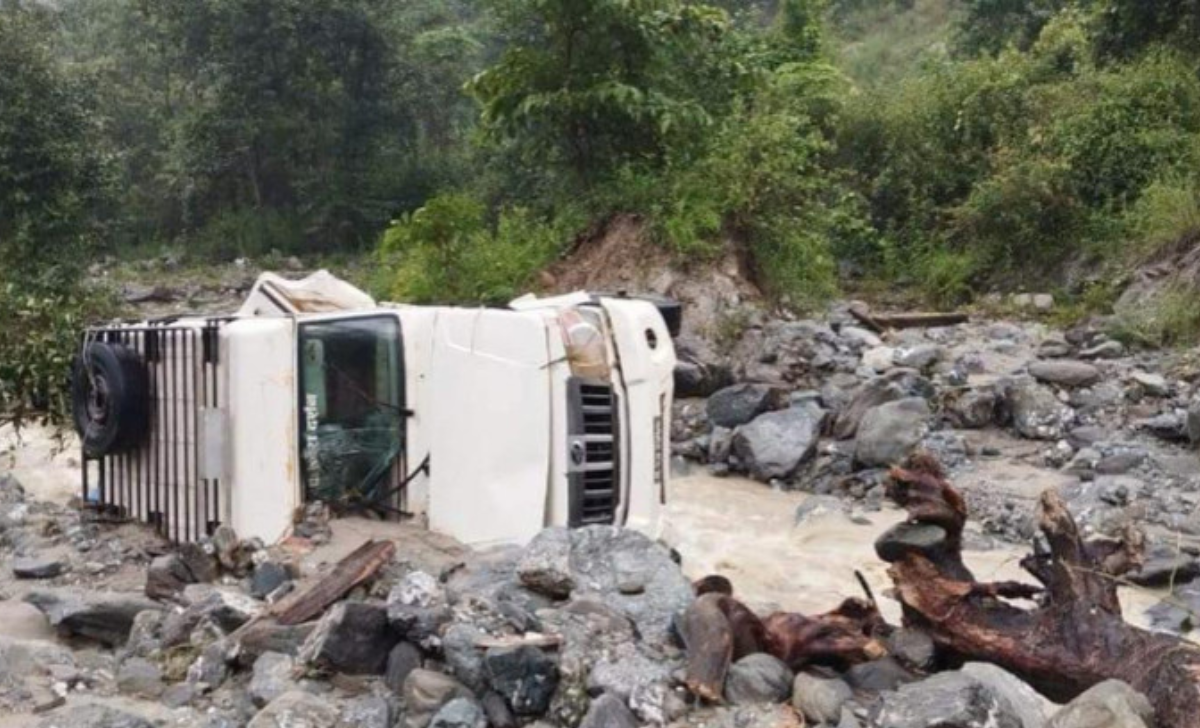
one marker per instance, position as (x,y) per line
(881,322)
(359,566)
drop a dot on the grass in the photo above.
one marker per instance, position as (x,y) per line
(885,42)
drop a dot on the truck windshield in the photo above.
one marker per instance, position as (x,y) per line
(352,409)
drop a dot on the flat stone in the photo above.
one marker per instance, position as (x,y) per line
(103,617)
(37,567)
(1104,350)
(1065,372)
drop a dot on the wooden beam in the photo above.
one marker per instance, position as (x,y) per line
(358,567)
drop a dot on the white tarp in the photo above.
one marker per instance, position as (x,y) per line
(321,292)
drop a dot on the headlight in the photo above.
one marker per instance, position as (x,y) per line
(586,344)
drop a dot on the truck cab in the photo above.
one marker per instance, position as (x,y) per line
(485,424)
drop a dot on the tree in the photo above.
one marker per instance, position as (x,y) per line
(590,85)
(990,26)
(52,176)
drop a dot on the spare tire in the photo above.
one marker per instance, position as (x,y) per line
(110,399)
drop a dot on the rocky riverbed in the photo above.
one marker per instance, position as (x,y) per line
(782,440)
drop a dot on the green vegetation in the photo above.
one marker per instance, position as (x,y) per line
(938,146)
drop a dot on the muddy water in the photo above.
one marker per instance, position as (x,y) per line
(746,531)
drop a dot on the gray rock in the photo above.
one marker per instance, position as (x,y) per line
(627,672)
(879,359)
(262,637)
(1104,350)
(820,699)
(417,607)
(912,648)
(353,638)
(720,444)
(524,676)
(167,577)
(919,357)
(1036,412)
(1065,372)
(758,678)
(891,431)
(947,700)
(775,444)
(403,659)
(878,676)
(200,562)
(1155,385)
(295,709)
(464,659)
(426,691)
(145,636)
(104,617)
(894,385)
(271,678)
(93,716)
(459,713)
(1169,426)
(1027,705)
(605,560)
(1110,704)
(894,543)
(366,711)
(140,677)
(608,711)
(37,567)
(1054,347)
(1165,564)
(224,608)
(1177,615)
(211,668)
(496,710)
(740,403)
(1193,422)
(973,409)
(267,577)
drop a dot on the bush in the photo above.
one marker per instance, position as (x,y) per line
(38,342)
(1167,214)
(447,252)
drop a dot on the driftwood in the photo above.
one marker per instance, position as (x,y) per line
(718,630)
(881,322)
(356,568)
(1074,636)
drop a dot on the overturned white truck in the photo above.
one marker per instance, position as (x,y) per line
(491,424)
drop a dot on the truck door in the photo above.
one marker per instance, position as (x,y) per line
(352,409)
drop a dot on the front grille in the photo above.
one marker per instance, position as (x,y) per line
(594,468)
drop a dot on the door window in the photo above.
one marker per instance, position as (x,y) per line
(352,408)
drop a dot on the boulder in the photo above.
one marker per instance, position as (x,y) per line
(1028,706)
(261,637)
(1036,413)
(699,372)
(758,678)
(912,648)
(417,607)
(879,359)
(524,676)
(167,576)
(608,711)
(103,617)
(775,444)
(622,567)
(1065,372)
(947,700)
(295,709)
(820,700)
(1110,704)
(1154,385)
(740,403)
(353,638)
(894,385)
(891,431)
